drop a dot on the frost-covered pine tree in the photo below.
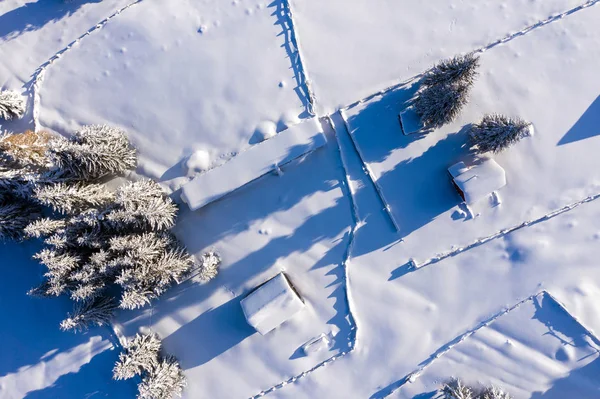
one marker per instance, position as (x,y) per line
(440,104)
(94,152)
(494,393)
(164,381)
(12,105)
(495,133)
(27,149)
(71,198)
(209,268)
(455,389)
(97,312)
(143,205)
(140,355)
(460,69)
(44,227)
(15,215)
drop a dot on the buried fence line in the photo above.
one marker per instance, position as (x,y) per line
(39,74)
(503,232)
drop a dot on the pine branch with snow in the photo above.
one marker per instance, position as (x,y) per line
(12,105)
(140,355)
(71,198)
(164,381)
(97,312)
(94,152)
(440,104)
(460,69)
(27,149)
(455,389)
(495,133)
(494,393)
(44,227)
(209,267)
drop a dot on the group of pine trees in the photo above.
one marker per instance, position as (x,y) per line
(161,376)
(456,389)
(444,92)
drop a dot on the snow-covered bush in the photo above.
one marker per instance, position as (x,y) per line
(209,268)
(98,312)
(440,104)
(497,132)
(162,376)
(12,105)
(141,355)
(460,69)
(164,381)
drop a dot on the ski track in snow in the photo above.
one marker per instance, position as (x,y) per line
(411,377)
(503,232)
(480,50)
(38,76)
(346,187)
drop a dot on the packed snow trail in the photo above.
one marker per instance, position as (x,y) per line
(502,233)
(484,48)
(38,76)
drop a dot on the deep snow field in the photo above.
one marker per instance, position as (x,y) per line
(509,296)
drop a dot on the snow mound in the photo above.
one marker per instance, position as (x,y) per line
(265,130)
(198,161)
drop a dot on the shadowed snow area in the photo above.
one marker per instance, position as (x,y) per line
(199,77)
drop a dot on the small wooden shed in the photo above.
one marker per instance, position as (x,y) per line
(478,180)
(271,303)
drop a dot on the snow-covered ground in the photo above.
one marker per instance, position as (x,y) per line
(195,83)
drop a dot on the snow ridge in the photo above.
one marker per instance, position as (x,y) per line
(39,74)
(345,265)
(295,53)
(502,233)
(368,171)
(577,320)
(482,49)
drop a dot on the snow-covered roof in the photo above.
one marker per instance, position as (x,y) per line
(271,304)
(479,180)
(253,163)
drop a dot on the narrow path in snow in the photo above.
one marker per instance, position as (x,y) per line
(411,377)
(482,49)
(347,189)
(503,232)
(39,74)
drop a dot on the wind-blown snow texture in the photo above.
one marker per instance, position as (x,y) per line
(195,83)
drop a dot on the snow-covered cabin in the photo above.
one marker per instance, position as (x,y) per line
(479,180)
(271,304)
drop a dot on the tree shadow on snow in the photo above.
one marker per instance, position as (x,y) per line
(35,15)
(587,126)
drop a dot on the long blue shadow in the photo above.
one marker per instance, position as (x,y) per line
(587,126)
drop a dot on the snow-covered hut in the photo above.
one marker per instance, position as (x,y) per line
(271,304)
(477,181)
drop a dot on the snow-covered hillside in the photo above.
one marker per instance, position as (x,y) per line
(403,286)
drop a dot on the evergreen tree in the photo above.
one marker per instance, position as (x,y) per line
(497,132)
(44,227)
(94,152)
(455,389)
(15,216)
(209,268)
(494,393)
(164,381)
(440,104)
(12,105)
(460,69)
(98,312)
(26,149)
(141,355)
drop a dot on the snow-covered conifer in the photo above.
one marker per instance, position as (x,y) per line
(494,393)
(141,355)
(163,381)
(15,215)
(209,268)
(455,389)
(497,132)
(94,152)
(12,105)
(94,312)
(460,69)
(70,198)
(27,149)
(143,204)
(440,104)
